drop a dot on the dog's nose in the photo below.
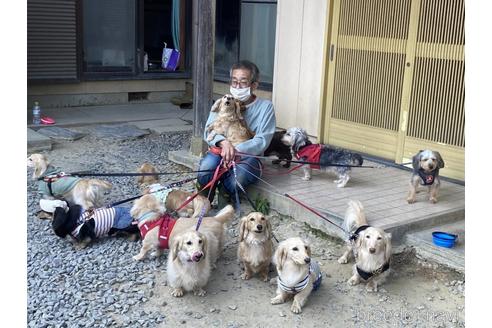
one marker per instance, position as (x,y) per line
(259,227)
(372,250)
(197,257)
(307,260)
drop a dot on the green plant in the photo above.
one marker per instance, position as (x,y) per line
(262,205)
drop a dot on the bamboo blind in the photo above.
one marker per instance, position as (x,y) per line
(370,61)
(437,100)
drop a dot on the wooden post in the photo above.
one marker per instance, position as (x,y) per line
(203,69)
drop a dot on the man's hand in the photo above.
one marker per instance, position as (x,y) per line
(228,151)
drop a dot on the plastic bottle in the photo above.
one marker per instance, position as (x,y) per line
(36,114)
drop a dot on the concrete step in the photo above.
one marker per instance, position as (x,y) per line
(37,142)
(425,249)
(185,158)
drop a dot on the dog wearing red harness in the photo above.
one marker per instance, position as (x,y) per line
(324,157)
(158,230)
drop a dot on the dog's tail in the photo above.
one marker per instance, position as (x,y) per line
(225,215)
(354,216)
(357,159)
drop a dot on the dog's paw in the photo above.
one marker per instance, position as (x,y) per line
(352,281)
(265,278)
(433,200)
(306,178)
(44,215)
(371,288)
(277,300)
(296,308)
(341,184)
(199,292)
(411,200)
(245,276)
(343,260)
(138,257)
(177,292)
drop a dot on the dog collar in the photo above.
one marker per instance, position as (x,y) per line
(427,178)
(366,275)
(356,233)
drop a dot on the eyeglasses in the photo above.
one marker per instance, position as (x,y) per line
(242,83)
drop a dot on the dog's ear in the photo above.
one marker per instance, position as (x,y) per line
(308,249)
(243,229)
(216,105)
(268,229)
(176,247)
(416,160)
(237,105)
(280,256)
(440,161)
(387,245)
(40,166)
(204,245)
(358,241)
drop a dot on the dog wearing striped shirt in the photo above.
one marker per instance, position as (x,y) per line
(298,274)
(84,226)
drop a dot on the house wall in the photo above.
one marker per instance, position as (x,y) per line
(298,72)
(87,93)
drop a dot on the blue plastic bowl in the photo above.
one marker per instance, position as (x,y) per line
(444,239)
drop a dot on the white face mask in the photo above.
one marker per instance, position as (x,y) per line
(241,94)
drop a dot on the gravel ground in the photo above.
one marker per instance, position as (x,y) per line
(102,286)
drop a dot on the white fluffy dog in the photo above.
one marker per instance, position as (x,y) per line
(298,275)
(371,247)
(87,193)
(193,253)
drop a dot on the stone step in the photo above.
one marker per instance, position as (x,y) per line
(37,142)
(425,249)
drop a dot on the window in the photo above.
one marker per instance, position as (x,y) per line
(109,36)
(245,30)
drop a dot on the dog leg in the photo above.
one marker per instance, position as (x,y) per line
(343,181)
(177,292)
(264,272)
(372,286)
(44,215)
(280,298)
(307,173)
(413,190)
(354,280)
(434,189)
(146,246)
(300,299)
(83,244)
(247,272)
(345,258)
(199,292)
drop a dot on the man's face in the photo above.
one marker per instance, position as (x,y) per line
(241,79)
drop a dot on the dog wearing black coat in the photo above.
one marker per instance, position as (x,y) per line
(303,149)
(426,165)
(279,149)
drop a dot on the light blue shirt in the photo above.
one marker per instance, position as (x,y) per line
(260,118)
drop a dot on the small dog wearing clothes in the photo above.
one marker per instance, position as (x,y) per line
(255,245)
(370,246)
(298,274)
(86,226)
(230,122)
(426,165)
(87,193)
(171,198)
(303,149)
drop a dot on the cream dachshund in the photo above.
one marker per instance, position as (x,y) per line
(87,193)
(298,274)
(158,230)
(171,198)
(229,122)
(255,245)
(370,246)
